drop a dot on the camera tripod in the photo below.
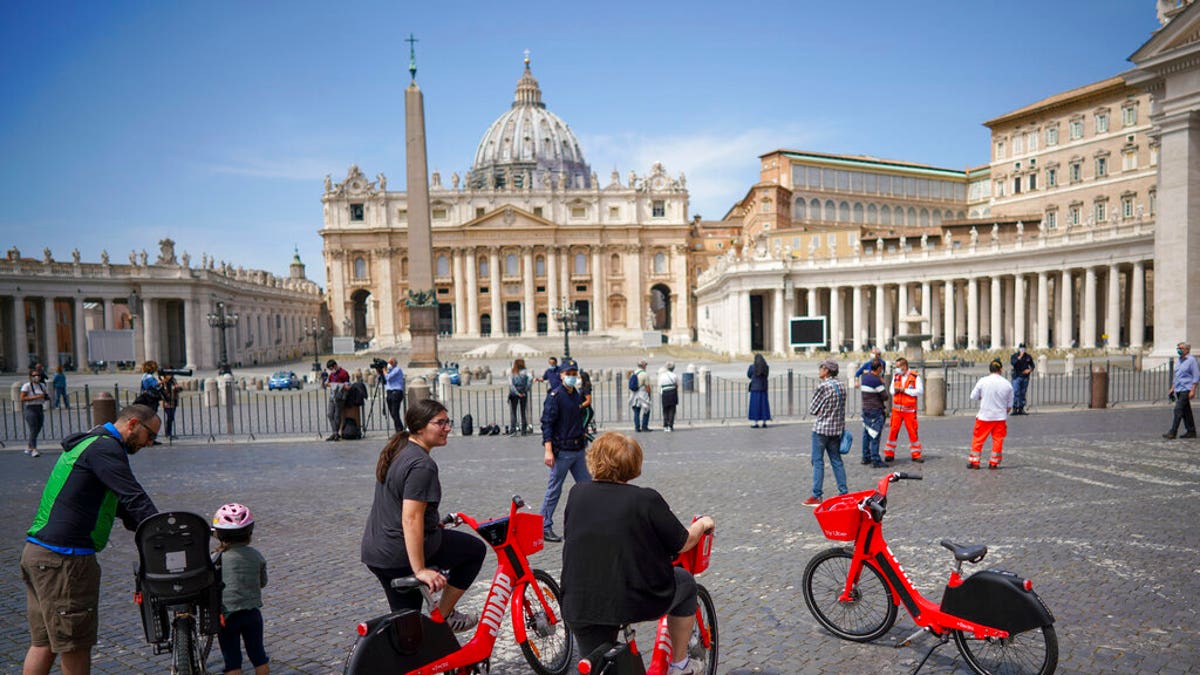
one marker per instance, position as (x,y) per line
(376,396)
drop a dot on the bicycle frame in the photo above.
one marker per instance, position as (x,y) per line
(513,574)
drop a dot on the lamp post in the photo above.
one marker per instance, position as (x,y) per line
(223,321)
(316,331)
(566,316)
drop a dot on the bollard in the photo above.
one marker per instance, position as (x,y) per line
(210,393)
(226,385)
(1041,366)
(706,389)
(935,393)
(417,390)
(465,377)
(791,393)
(1070,367)
(104,409)
(689,378)
(1099,387)
(14,395)
(620,391)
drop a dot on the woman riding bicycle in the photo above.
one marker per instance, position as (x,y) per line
(620,540)
(403,536)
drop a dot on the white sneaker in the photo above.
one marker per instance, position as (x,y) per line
(26,451)
(693,667)
(34,453)
(461,622)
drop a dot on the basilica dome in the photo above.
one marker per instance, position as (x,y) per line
(529,146)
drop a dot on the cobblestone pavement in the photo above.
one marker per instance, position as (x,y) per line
(1094,506)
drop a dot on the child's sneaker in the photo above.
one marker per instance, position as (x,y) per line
(461,622)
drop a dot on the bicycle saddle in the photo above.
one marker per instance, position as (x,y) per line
(972,553)
(406,583)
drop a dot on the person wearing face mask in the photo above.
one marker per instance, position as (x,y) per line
(1183,390)
(1022,366)
(90,486)
(564,440)
(906,387)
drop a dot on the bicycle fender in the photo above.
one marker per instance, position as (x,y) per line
(997,599)
(400,642)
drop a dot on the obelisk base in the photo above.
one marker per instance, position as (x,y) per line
(423,329)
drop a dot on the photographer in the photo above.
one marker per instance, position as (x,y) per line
(336,383)
(394,388)
(149,391)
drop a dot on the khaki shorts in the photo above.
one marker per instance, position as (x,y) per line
(62,598)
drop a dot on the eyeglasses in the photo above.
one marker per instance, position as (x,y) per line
(444,423)
(150,435)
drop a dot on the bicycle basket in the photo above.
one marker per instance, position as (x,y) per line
(527,532)
(696,560)
(839,517)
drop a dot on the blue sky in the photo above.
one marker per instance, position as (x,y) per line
(214,123)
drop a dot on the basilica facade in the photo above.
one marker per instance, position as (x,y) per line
(528,230)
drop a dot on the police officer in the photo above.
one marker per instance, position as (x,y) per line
(564,441)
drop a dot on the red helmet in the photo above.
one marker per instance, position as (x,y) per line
(232,517)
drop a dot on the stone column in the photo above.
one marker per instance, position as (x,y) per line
(80,331)
(190,330)
(681,300)
(743,322)
(996,327)
(778,341)
(1137,310)
(901,308)
(19,335)
(1087,333)
(461,288)
(1018,310)
(50,339)
(529,310)
(950,319)
(1043,311)
(877,336)
(599,308)
(856,316)
(1112,315)
(935,313)
(811,302)
(552,294)
(973,313)
(835,319)
(422,324)
(927,311)
(889,317)
(385,318)
(637,306)
(150,328)
(472,292)
(1066,309)
(498,322)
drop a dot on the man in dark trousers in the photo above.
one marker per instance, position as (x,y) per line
(1022,366)
(394,391)
(90,485)
(564,441)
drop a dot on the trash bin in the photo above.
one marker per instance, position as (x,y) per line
(104,408)
(1099,397)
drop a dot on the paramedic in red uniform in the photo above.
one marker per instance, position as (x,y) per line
(906,387)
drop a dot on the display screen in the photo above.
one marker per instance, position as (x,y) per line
(808,331)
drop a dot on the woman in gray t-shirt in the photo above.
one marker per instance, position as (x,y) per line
(33,400)
(403,536)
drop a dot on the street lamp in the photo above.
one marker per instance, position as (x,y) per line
(222,321)
(316,331)
(566,316)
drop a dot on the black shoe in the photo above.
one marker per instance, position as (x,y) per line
(866,461)
(889,460)
(972,465)
(993,465)
(334,437)
(548,535)
(879,465)
(919,460)
(1190,434)
(1169,434)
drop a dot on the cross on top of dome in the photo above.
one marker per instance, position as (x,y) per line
(528,91)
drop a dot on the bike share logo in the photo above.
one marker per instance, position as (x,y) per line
(494,611)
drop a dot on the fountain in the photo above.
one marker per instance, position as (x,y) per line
(912,338)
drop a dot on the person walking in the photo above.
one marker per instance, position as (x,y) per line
(168,388)
(906,387)
(60,389)
(33,401)
(564,441)
(244,574)
(90,486)
(875,401)
(551,376)
(518,398)
(394,392)
(337,381)
(1022,366)
(995,396)
(828,406)
(760,406)
(639,397)
(1183,390)
(668,392)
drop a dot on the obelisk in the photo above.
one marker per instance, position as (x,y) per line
(422,295)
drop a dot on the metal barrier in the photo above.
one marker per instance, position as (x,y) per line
(1126,385)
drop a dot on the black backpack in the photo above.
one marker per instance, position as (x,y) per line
(468,425)
(350,430)
(356,394)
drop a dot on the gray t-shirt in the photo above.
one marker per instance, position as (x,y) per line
(412,475)
(244,571)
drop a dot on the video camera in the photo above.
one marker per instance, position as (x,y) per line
(379,365)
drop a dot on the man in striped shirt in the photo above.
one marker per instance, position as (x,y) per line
(829,408)
(874,410)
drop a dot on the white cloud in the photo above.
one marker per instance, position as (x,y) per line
(720,167)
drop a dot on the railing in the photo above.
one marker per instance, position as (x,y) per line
(253,413)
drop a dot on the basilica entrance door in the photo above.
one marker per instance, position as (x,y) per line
(512,317)
(660,307)
(445,318)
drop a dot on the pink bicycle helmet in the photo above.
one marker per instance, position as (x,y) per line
(232,516)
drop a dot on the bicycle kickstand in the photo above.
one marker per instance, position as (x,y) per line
(942,639)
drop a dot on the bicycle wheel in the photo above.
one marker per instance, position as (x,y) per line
(706,622)
(547,647)
(184,659)
(870,612)
(1032,651)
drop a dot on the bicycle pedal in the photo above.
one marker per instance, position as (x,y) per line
(908,640)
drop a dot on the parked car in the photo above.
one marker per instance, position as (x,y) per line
(452,371)
(284,379)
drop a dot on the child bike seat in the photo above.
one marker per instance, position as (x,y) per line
(971,553)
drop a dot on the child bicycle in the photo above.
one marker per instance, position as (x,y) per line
(177,587)
(407,641)
(623,658)
(998,623)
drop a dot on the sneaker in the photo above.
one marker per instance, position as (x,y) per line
(549,535)
(334,437)
(1169,435)
(811,501)
(889,459)
(693,667)
(919,460)
(972,465)
(34,453)
(460,622)
(866,461)
(879,465)
(26,451)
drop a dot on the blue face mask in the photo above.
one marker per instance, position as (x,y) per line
(571,381)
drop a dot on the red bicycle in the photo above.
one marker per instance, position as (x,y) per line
(998,623)
(623,658)
(409,642)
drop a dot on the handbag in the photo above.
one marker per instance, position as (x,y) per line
(847,442)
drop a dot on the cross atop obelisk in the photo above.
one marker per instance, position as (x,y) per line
(422,294)
(412,55)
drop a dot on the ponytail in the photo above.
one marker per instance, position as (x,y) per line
(388,453)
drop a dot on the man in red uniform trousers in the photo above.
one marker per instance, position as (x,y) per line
(906,387)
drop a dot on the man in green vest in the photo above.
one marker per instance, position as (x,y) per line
(90,485)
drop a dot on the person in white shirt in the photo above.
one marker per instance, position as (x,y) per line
(995,396)
(668,388)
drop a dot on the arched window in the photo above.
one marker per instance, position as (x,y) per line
(360,268)
(660,263)
(948,215)
(539,266)
(801,209)
(911,218)
(580,263)
(844,212)
(937,217)
(872,214)
(443,266)
(814,208)
(898,216)
(483,268)
(830,210)
(511,267)
(885,215)
(924,217)
(858,212)
(988,211)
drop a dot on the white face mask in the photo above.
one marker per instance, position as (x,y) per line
(571,381)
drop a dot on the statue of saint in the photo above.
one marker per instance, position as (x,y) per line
(382,181)
(1020,230)
(133,258)
(454,179)
(186,258)
(143,257)
(974,235)
(328,183)
(995,232)
(104,257)
(925,242)
(46,256)
(946,238)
